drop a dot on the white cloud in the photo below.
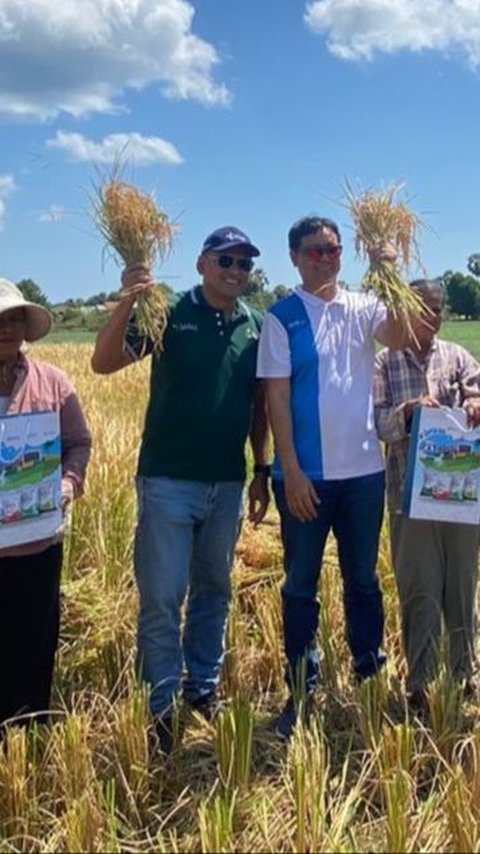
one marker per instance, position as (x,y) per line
(7,186)
(358,29)
(79,56)
(54,214)
(133,147)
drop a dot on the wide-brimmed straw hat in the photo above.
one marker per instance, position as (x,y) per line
(39,320)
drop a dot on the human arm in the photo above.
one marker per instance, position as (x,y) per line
(393,420)
(110,353)
(391,331)
(258,492)
(76,447)
(302,499)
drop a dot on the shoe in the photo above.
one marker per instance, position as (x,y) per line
(164,730)
(290,715)
(208,706)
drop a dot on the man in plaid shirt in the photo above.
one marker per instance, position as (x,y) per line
(435,563)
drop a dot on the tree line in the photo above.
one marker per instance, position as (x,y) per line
(463,296)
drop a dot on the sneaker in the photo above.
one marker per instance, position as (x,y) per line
(289,716)
(164,730)
(207,705)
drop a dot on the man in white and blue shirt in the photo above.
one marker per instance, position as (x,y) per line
(317,353)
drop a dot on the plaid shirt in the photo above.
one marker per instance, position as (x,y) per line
(449,374)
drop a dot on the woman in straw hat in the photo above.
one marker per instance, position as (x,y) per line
(30,572)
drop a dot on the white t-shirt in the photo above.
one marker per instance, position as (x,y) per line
(328,351)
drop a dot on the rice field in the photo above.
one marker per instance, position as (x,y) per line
(363,777)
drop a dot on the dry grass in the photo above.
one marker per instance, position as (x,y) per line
(139,233)
(364,778)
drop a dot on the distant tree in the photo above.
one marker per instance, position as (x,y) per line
(72,317)
(473,263)
(97,299)
(166,289)
(114,296)
(33,292)
(257,294)
(258,282)
(463,295)
(281,291)
(95,320)
(74,303)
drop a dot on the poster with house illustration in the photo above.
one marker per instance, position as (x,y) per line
(30,477)
(443,470)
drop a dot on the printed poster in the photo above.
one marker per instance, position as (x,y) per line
(30,477)
(443,470)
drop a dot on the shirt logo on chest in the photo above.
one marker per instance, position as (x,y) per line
(185,327)
(294,323)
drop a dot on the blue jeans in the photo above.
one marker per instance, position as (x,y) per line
(353,509)
(184,542)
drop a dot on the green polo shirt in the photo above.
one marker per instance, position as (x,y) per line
(201,391)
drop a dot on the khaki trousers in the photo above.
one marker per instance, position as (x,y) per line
(436,568)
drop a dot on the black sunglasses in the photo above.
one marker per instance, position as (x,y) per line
(227,261)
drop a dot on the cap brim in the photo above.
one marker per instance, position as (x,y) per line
(248,247)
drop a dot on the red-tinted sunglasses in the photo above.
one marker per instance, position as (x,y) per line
(316,253)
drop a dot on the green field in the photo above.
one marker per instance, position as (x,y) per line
(70,336)
(464,332)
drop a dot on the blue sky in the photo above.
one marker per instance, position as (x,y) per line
(239,112)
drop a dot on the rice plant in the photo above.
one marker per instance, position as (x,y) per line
(381,218)
(139,233)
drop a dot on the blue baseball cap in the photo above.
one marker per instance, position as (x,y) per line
(228,237)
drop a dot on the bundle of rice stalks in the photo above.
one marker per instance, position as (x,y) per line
(139,233)
(380,219)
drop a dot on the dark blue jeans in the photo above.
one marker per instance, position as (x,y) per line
(184,550)
(353,510)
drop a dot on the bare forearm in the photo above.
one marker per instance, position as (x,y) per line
(76,443)
(259,432)
(394,333)
(109,354)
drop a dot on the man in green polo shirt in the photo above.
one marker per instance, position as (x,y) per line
(204,402)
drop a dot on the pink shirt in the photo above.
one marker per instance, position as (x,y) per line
(41,387)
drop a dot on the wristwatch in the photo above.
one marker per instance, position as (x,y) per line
(262,468)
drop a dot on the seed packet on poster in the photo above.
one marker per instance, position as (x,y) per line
(30,477)
(443,468)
